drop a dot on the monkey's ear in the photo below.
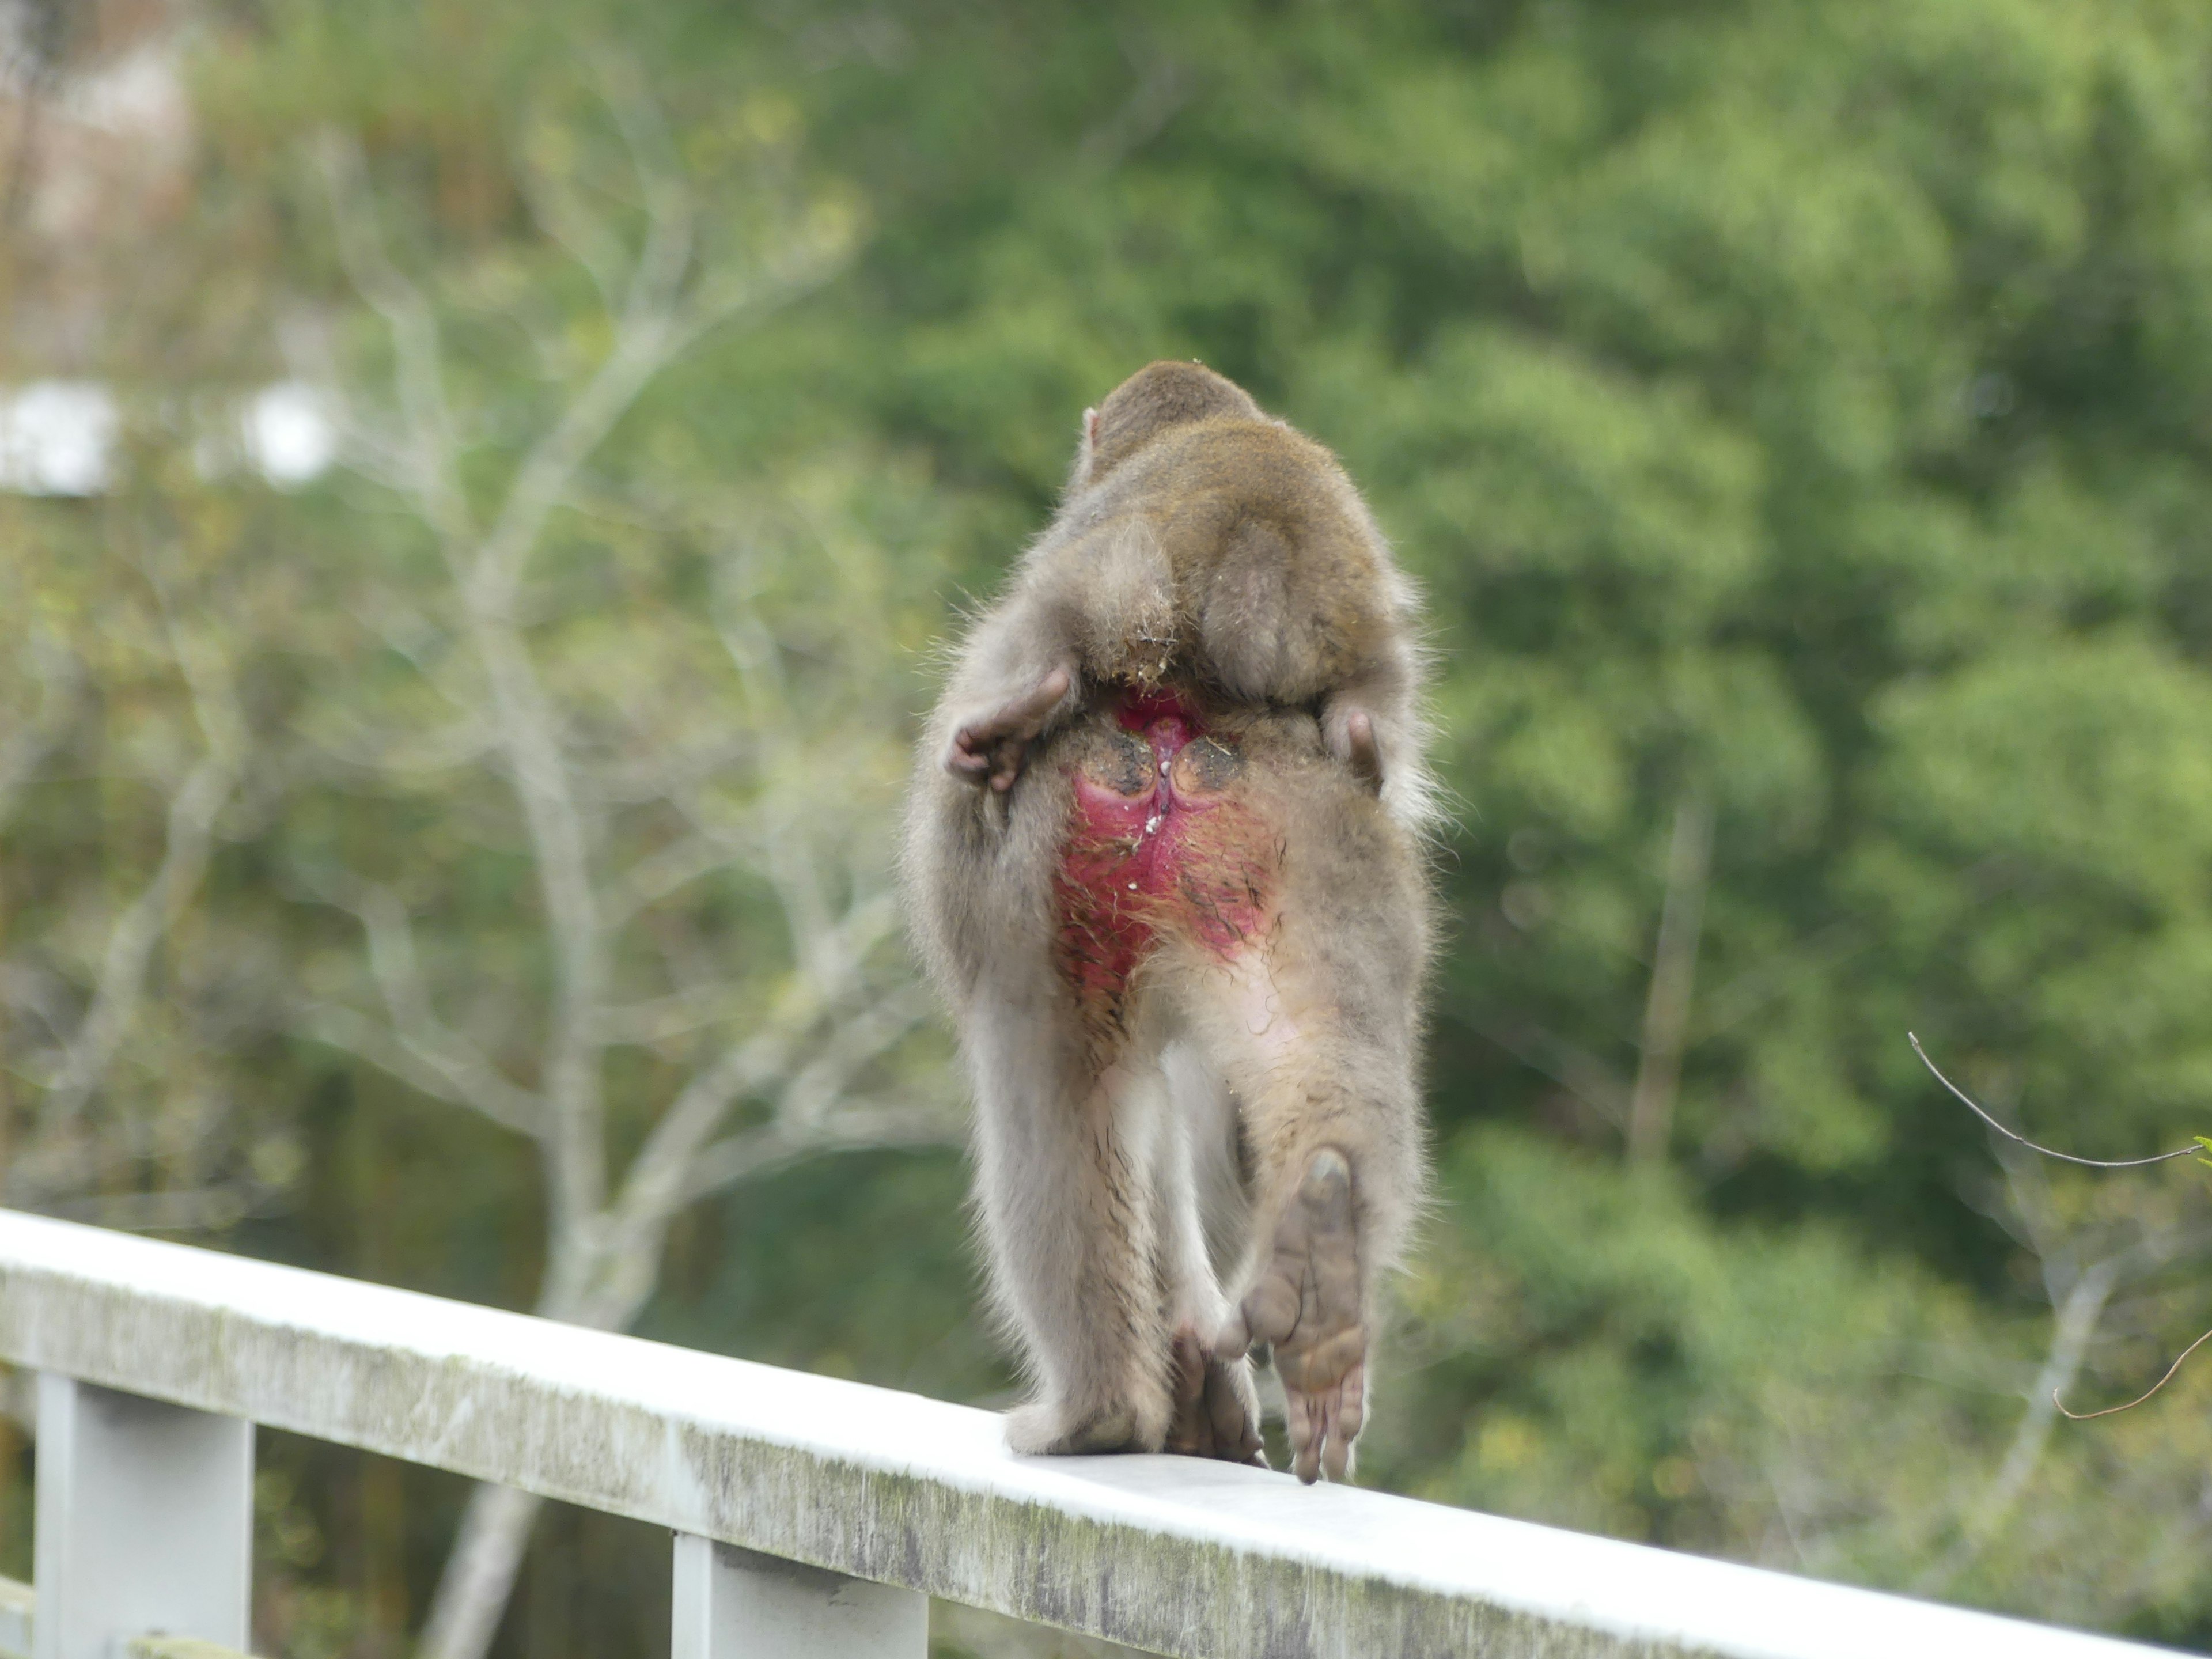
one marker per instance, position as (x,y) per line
(1090,429)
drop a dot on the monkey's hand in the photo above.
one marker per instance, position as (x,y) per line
(1216,1412)
(1307,1304)
(990,748)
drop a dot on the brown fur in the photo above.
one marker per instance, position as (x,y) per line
(1202,542)
(1221,1146)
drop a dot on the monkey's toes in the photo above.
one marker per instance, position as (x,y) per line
(1307,1306)
(1362,752)
(1215,1413)
(992,747)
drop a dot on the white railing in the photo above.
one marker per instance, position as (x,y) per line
(813,1517)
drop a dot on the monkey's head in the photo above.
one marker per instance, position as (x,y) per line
(1157,396)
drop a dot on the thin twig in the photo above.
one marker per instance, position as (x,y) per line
(2063,1158)
(2083,1416)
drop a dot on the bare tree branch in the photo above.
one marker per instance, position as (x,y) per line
(853,1044)
(120,984)
(433,1075)
(464,743)
(604,1253)
(2076,1324)
(555,210)
(1674,972)
(1574,1069)
(661,872)
(61,694)
(465,1075)
(645,1025)
(433,448)
(2079,1295)
(860,1126)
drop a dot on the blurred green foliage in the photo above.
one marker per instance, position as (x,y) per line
(1801,409)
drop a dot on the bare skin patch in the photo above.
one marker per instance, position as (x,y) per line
(1204,768)
(1307,1306)
(1121,763)
(1158,842)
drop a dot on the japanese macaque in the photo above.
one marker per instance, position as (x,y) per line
(1164,856)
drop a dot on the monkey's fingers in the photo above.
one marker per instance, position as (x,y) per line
(1301,1418)
(1324,1422)
(1347,1417)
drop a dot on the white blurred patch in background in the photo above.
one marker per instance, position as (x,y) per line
(290,438)
(58,437)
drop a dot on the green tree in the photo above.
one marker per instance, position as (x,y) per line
(1798,416)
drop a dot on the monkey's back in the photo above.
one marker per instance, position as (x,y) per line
(1282,590)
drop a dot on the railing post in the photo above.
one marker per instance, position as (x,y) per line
(144,1522)
(733,1604)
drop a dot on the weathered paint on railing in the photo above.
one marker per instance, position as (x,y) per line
(1178,1555)
(179,1647)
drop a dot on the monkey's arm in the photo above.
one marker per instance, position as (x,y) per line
(1020,674)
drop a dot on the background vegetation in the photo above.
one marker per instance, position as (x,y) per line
(465,870)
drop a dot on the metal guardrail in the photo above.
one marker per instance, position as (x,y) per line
(814,1517)
(16,1601)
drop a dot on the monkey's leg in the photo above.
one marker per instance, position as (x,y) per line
(1217,1407)
(1330,1117)
(1065,1161)
(990,747)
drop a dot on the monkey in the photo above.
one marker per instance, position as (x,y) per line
(1195,529)
(1164,857)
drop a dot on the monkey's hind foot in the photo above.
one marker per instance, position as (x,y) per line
(1043,1429)
(1307,1304)
(1216,1413)
(1349,732)
(991,747)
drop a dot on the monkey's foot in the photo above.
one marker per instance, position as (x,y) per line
(990,748)
(1350,734)
(1043,1429)
(1307,1305)
(1216,1412)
